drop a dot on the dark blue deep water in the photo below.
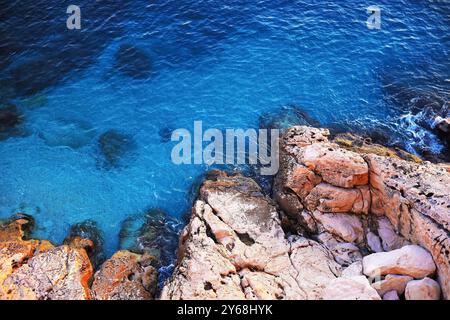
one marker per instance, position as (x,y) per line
(139,69)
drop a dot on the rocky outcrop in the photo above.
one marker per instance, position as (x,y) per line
(34,269)
(355,198)
(37,270)
(234,247)
(344,223)
(416,201)
(126,276)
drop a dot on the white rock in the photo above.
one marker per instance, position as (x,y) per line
(353,288)
(424,289)
(391,295)
(374,242)
(389,238)
(355,269)
(346,226)
(410,260)
(391,282)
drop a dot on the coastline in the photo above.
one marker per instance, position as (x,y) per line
(345,213)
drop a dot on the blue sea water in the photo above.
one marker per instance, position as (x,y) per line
(222,62)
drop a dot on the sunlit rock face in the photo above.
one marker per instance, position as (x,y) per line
(36,270)
(234,247)
(398,203)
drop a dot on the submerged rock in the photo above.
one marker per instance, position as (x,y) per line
(154,233)
(126,276)
(115,147)
(133,62)
(165,134)
(72,133)
(10,119)
(286,117)
(87,235)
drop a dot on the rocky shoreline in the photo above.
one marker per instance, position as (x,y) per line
(348,219)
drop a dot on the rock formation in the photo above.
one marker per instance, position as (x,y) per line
(234,247)
(344,223)
(126,276)
(387,203)
(34,269)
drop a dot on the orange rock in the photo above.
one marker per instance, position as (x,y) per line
(126,276)
(416,200)
(327,198)
(61,273)
(339,167)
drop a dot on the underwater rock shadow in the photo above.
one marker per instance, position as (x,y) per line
(133,62)
(11,122)
(153,232)
(117,149)
(70,133)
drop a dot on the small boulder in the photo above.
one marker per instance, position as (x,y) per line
(391,295)
(345,226)
(374,242)
(352,288)
(126,276)
(411,260)
(389,238)
(392,282)
(355,269)
(423,289)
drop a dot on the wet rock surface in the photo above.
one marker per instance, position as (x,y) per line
(87,235)
(154,232)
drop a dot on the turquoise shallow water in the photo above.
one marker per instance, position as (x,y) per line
(224,63)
